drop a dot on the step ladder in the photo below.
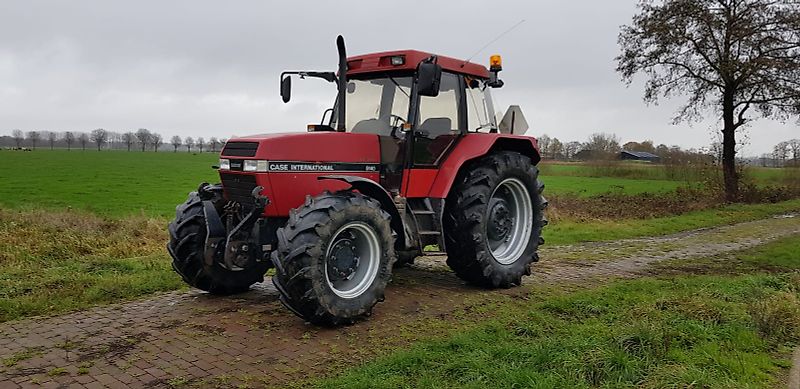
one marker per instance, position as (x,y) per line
(427,215)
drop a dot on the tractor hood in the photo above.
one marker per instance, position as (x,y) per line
(306,147)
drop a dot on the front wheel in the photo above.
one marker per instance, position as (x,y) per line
(494,220)
(334,258)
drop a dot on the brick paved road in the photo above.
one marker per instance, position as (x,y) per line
(193,338)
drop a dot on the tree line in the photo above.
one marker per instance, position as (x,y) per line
(605,146)
(141,139)
(786,153)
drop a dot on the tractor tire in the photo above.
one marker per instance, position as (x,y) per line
(334,258)
(187,237)
(493,220)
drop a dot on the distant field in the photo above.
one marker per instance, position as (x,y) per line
(112,183)
(118,183)
(645,171)
(592,186)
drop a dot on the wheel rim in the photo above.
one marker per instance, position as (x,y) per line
(509,221)
(352,260)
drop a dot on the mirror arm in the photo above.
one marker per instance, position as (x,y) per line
(327,76)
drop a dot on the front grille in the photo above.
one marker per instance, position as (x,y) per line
(239,188)
(240,149)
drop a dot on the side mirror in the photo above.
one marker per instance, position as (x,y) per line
(286,89)
(429,76)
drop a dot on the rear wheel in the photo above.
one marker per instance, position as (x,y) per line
(494,220)
(334,258)
(187,245)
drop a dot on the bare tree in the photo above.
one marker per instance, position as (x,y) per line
(33,137)
(69,137)
(731,57)
(189,142)
(51,136)
(603,144)
(176,142)
(113,138)
(571,148)
(544,144)
(156,141)
(200,143)
(143,135)
(781,152)
(213,142)
(129,138)
(18,137)
(83,139)
(99,137)
(794,146)
(646,146)
(556,149)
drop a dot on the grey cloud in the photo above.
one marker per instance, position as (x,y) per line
(211,68)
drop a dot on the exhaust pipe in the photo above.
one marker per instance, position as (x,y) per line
(342,83)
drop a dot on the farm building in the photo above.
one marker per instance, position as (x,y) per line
(626,155)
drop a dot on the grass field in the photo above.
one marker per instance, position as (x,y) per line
(573,231)
(118,183)
(110,183)
(682,331)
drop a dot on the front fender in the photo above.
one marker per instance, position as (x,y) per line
(374,190)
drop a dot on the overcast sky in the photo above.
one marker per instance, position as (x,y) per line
(204,68)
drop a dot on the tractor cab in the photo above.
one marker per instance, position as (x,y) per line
(417,103)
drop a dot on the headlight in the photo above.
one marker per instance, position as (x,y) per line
(224,164)
(252,165)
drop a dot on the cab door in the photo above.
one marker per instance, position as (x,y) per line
(438,124)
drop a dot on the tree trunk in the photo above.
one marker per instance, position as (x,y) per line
(731,178)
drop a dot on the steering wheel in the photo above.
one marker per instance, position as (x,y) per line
(396,124)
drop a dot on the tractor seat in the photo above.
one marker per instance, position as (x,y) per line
(372,126)
(436,126)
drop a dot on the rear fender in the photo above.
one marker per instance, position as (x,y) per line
(474,146)
(372,189)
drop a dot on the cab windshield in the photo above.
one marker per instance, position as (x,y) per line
(377,105)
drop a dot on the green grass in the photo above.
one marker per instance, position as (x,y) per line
(593,186)
(115,183)
(784,254)
(69,285)
(55,262)
(118,183)
(571,231)
(697,331)
(766,174)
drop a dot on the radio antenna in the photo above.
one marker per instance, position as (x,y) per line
(492,41)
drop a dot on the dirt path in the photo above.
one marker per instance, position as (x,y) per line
(190,338)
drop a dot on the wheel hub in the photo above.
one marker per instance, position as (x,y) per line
(509,221)
(501,221)
(343,260)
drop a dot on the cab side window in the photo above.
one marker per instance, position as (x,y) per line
(438,121)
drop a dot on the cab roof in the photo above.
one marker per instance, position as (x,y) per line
(382,62)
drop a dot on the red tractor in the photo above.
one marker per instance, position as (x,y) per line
(410,159)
